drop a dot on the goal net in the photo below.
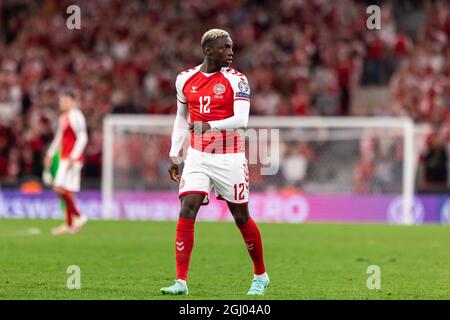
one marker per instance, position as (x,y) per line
(355,169)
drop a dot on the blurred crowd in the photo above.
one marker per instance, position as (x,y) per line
(301,58)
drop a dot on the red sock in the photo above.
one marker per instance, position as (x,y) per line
(252,238)
(71,208)
(184,243)
(67,212)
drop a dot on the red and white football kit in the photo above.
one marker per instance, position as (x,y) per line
(215,159)
(71,138)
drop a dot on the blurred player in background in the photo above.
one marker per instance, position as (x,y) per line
(70,141)
(48,174)
(217,98)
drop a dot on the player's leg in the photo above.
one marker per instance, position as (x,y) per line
(193,192)
(48,177)
(253,242)
(69,201)
(73,186)
(75,219)
(231,182)
(59,171)
(67,181)
(69,204)
(184,241)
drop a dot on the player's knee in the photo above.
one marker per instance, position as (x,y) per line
(189,210)
(240,213)
(240,217)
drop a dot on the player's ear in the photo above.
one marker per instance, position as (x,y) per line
(207,50)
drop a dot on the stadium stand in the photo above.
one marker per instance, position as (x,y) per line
(301,57)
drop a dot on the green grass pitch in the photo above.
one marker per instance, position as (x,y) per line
(134,259)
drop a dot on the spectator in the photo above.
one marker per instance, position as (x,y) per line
(295,164)
(301,58)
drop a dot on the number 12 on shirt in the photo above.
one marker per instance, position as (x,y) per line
(204,104)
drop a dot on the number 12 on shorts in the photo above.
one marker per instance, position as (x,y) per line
(239,191)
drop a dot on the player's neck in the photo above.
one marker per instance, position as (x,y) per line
(68,110)
(209,67)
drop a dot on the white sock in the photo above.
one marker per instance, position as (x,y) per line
(183,282)
(261,276)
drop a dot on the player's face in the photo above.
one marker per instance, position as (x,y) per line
(222,52)
(65,102)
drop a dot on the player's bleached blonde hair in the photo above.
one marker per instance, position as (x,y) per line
(212,35)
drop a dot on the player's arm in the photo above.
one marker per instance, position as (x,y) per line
(179,133)
(238,121)
(52,148)
(241,107)
(78,124)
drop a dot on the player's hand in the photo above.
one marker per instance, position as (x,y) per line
(199,127)
(47,177)
(47,162)
(174,171)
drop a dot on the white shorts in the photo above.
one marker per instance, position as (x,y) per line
(68,178)
(226,173)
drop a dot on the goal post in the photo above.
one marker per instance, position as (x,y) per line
(337,143)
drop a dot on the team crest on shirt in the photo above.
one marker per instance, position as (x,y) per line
(243,86)
(219,89)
